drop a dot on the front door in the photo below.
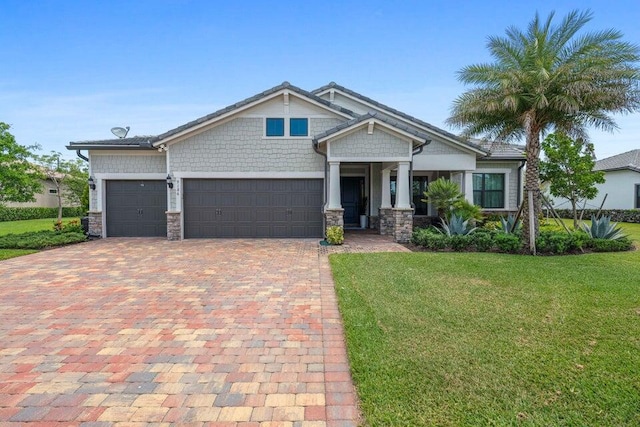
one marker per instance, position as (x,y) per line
(351,191)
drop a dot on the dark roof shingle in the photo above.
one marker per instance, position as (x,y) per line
(629,160)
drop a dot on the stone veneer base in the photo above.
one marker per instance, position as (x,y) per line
(95,223)
(174,228)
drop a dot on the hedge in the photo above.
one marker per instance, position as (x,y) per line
(21,214)
(617,215)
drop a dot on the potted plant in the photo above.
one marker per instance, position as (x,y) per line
(363,212)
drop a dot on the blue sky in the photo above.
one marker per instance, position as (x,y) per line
(71,70)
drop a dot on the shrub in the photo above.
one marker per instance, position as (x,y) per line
(443,194)
(40,239)
(460,242)
(419,236)
(467,210)
(73,226)
(553,242)
(335,235)
(606,245)
(483,241)
(509,243)
(437,241)
(491,225)
(619,215)
(456,225)
(510,225)
(602,228)
(21,214)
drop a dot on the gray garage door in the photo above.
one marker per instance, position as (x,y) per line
(136,208)
(252,208)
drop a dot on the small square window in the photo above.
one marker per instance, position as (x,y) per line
(53,191)
(275,127)
(298,127)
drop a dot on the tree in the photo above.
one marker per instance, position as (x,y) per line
(443,194)
(568,168)
(19,180)
(548,77)
(68,176)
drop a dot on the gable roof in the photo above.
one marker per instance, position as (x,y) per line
(629,160)
(365,118)
(249,101)
(393,111)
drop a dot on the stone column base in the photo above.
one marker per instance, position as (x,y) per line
(95,223)
(386,220)
(402,224)
(174,225)
(334,217)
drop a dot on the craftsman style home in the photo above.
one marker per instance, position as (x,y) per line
(289,163)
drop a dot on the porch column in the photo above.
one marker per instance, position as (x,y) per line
(386,189)
(402,186)
(334,186)
(468,186)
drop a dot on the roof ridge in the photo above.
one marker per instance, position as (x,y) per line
(334,85)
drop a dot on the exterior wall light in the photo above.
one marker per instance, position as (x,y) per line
(92,183)
(169,181)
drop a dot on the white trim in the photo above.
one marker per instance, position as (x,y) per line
(201,127)
(249,175)
(369,159)
(148,152)
(507,173)
(399,133)
(131,176)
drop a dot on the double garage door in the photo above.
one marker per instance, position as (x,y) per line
(218,208)
(252,208)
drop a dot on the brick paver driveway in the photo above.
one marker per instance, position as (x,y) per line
(135,331)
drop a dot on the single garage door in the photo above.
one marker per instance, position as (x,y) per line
(136,208)
(252,208)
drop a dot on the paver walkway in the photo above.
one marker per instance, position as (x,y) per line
(151,332)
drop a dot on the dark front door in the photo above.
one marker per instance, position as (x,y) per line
(351,191)
(252,208)
(136,208)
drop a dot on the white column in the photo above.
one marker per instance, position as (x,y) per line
(402,186)
(386,189)
(334,186)
(468,186)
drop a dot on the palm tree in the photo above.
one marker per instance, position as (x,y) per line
(548,77)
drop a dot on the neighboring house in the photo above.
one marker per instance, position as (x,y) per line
(288,163)
(47,198)
(621,186)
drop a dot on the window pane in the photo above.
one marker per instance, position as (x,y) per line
(494,181)
(477,181)
(477,198)
(299,127)
(493,199)
(275,127)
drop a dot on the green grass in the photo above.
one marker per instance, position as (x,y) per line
(13,253)
(454,339)
(19,227)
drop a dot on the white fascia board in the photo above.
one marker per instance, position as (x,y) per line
(229,115)
(418,125)
(248,175)
(406,136)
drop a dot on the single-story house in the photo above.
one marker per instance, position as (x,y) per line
(46,198)
(621,186)
(289,163)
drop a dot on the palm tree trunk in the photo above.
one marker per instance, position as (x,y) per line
(530,217)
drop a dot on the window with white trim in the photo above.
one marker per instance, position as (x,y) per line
(53,191)
(488,190)
(291,127)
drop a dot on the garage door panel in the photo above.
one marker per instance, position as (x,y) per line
(136,208)
(253,207)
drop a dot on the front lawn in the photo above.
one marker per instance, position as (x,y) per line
(18,227)
(30,226)
(491,339)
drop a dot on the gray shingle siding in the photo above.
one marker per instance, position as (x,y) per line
(361,144)
(239,146)
(128,164)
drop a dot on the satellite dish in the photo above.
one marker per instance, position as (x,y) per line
(120,132)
